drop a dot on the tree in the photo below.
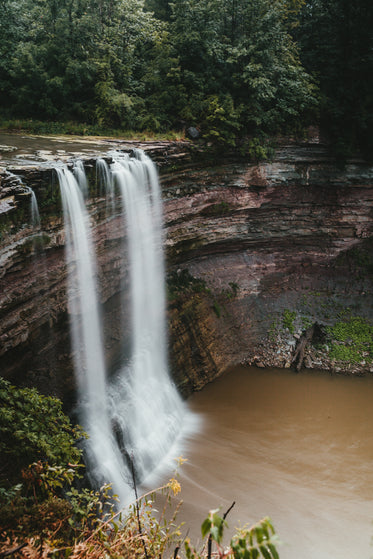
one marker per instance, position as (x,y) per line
(160,8)
(77,58)
(227,66)
(241,48)
(336,43)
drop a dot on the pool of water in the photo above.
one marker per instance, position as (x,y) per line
(295,447)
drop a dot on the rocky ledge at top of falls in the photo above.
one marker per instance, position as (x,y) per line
(257,253)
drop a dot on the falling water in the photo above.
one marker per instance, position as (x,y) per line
(80,176)
(103,454)
(105,180)
(143,390)
(37,239)
(137,415)
(35,216)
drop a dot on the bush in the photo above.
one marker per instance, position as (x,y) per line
(33,427)
(140,530)
(288,318)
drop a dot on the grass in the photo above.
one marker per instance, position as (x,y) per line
(72,128)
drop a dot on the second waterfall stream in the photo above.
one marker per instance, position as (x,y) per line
(134,418)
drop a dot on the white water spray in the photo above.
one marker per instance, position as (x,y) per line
(136,417)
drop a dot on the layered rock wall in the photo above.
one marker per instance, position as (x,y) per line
(259,242)
(288,237)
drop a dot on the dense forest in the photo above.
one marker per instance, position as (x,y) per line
(230,68)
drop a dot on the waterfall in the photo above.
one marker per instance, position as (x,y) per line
(35,216)
(80,176)
(105,180)
(143,390)
(103,456)
(137,414)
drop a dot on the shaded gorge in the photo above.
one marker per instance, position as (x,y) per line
(256,254)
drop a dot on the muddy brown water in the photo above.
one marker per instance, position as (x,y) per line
(295,447)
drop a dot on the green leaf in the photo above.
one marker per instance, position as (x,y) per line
(206,526)
(259,534)
(215,534)
(265,552)
(273,550)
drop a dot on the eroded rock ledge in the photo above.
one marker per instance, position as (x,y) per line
(264,251)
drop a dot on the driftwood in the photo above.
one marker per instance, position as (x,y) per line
(304,340)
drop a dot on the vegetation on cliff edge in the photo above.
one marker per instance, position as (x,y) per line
(48,511)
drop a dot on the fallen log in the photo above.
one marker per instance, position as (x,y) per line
(304,340)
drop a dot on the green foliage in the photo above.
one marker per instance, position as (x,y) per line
(345,353)
(213,526)
(10,494)
(357,330)
(288,318)
(182,281)
(33,427)
(217,309)
(219,120)
(231,292)
(257,150)
(49,514)
(255,542)
(81,129)
(306,322)
(230,68)
(352,339)
(274,330)
(47,504)
(243,51)
(71,57)
(234,287)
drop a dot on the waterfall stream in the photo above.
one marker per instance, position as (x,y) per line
(35,215)
(134,418)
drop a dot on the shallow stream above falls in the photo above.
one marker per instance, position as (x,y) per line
(297,448)
(27,149)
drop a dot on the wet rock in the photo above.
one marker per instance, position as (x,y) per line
(193,132)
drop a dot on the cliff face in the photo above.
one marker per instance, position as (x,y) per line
(282,246)
(256,253)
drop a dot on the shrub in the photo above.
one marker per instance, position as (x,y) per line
(288,318)
(33,427)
